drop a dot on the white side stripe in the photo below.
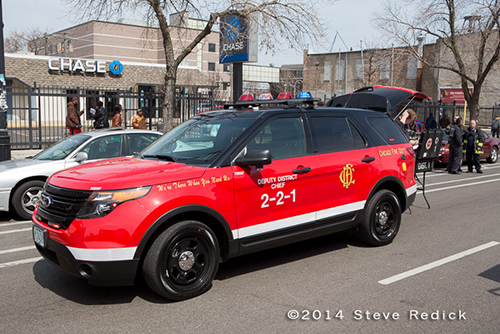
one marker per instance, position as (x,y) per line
(296,220)
(410,191)
(102,255)
(305,218)
(338,210)
(274,225)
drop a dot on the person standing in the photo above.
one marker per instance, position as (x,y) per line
(116,122)
(445,121)
(455,145)
(430,122)
(473,142)
(139,122)
(73,117)
(101,116)
(495,126)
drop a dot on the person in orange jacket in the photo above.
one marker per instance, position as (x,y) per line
(116,122)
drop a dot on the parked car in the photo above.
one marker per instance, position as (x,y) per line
(490,154)
(21,181)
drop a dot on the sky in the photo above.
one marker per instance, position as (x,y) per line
(350,19)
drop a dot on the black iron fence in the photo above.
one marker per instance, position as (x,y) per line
(36,116)
(485,117)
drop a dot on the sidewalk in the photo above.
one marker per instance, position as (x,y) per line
(22,154)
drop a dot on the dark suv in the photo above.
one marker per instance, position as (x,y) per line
(224,184)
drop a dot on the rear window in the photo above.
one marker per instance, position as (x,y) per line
(387,130)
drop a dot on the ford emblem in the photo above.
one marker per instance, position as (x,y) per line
(46,201)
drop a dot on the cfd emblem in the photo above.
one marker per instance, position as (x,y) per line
(346,176)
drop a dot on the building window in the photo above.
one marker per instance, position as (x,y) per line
(227,68)
(225,85)
(211,47)
(328,72)
(411,71)
(385,69)
(211,67)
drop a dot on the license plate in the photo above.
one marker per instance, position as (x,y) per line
(39,236)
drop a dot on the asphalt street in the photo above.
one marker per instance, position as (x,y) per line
(440,275)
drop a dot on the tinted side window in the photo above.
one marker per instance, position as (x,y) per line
(283,137)
(104,147)
(138,141)
(334,134)
(389,131)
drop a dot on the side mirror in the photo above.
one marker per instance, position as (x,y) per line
(81,156)
(257,158)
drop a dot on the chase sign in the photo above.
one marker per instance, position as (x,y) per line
(84,65)
(238,41)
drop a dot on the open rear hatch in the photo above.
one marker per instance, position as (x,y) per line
(391,100)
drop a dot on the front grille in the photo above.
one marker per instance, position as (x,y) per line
(60,205)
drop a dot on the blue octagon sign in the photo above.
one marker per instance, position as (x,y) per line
(116,67)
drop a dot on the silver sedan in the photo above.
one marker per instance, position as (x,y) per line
(21,181)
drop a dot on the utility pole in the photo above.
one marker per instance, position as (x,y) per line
(4,135)
(420,52)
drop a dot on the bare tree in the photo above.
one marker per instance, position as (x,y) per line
(288,22)
(30,40)
(468,31)
(15,42)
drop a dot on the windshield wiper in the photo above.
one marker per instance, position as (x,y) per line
(161,157)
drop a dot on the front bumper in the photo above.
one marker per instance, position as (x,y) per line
(101,273)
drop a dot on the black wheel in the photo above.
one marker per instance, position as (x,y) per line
(26,198)
(493,155)
(381,219)
(182,261)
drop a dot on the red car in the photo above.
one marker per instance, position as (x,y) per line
(224,184)
(490,149)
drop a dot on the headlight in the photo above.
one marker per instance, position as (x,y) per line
(101,203)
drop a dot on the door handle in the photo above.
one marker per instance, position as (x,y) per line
(302,170)
(368,159)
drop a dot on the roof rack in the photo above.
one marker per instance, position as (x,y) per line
(308,102)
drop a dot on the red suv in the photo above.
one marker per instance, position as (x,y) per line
(224,184)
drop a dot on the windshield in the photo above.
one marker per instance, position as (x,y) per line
(62,148)
(199,141)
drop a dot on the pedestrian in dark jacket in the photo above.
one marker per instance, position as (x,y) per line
(445,121)
(455,146)
(101,116)
(430,122)
(495,126)
(73,117)
(473,146)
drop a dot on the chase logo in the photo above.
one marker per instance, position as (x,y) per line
(234,28)
(116,67)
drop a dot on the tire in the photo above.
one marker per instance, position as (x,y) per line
(26,197)
(182,261)
(381,220)
(493,155)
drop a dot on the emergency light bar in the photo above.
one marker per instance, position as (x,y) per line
(247,101)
